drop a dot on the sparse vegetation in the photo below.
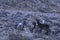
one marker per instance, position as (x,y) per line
(30,13)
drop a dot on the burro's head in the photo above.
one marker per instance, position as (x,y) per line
(42,21)
(20,26)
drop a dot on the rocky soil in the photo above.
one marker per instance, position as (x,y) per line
(18,19)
